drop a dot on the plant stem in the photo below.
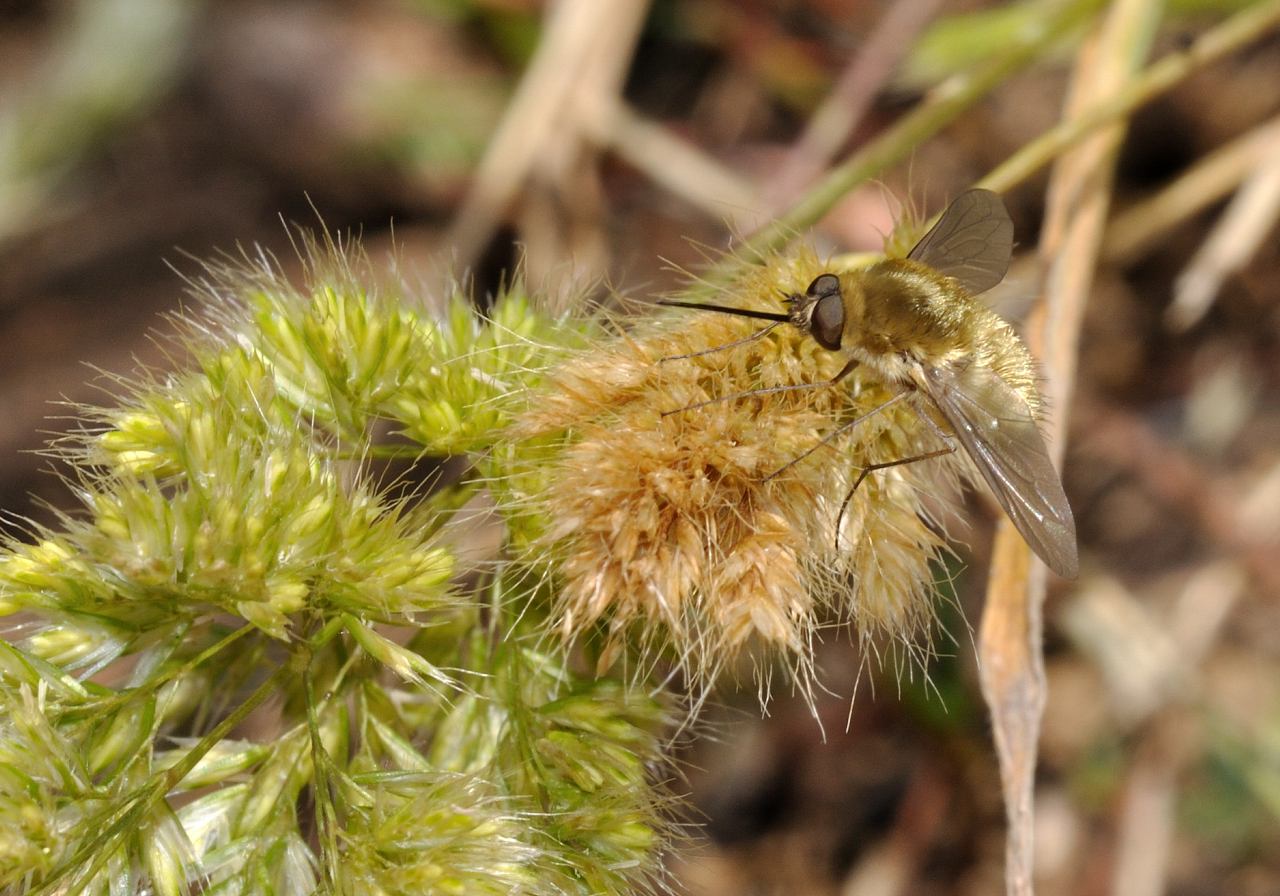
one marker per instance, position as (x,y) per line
(1010,636)
(1226,37)
(944,105)
(153,684)
(131,818)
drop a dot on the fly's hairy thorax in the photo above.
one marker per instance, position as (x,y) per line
(900,314)
(906,309)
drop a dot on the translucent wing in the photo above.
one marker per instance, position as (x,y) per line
(972,241)
(996,428)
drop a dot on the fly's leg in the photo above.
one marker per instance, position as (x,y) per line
(728,345)
(836,433)
(773,390)
(950,448)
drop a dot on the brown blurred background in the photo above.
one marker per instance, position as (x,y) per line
(137,134)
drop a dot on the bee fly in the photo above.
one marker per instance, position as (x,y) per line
(915,324)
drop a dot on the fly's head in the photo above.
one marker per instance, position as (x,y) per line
(820,311)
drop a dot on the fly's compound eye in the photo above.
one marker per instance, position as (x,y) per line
(827,322)
(824,285)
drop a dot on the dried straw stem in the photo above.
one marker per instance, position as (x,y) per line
(1012,666)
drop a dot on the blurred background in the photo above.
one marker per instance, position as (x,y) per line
(606,142)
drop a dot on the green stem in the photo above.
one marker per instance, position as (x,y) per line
(944,105)
(383,451)
(323,792)
(154,684)
(130,820)
(1242,28)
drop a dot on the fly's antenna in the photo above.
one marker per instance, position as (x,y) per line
(719,348)
(776,317)
(724,309)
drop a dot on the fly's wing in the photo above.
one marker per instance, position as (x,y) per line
(972,241)
(997,429)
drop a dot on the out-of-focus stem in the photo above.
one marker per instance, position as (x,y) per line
(849,100)
(1226,37)
(946,103)
(1011,632)
(1141,225)
(1244,226)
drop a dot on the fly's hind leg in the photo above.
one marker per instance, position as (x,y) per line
(950,448)
(836,433)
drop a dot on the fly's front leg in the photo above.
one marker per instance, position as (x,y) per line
(772,390)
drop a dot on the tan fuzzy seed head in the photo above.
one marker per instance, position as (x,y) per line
(676,530)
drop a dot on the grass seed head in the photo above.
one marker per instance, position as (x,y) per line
(676,529)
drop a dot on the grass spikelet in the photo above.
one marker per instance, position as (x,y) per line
(236,547)
(33,763)
(698,528)
(581,758)
(415,832)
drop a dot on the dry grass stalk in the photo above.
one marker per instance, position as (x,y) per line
(1012,670)
(1141,226)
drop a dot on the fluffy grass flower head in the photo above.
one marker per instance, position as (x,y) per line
(691,511)
(704,489)
(222,671)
